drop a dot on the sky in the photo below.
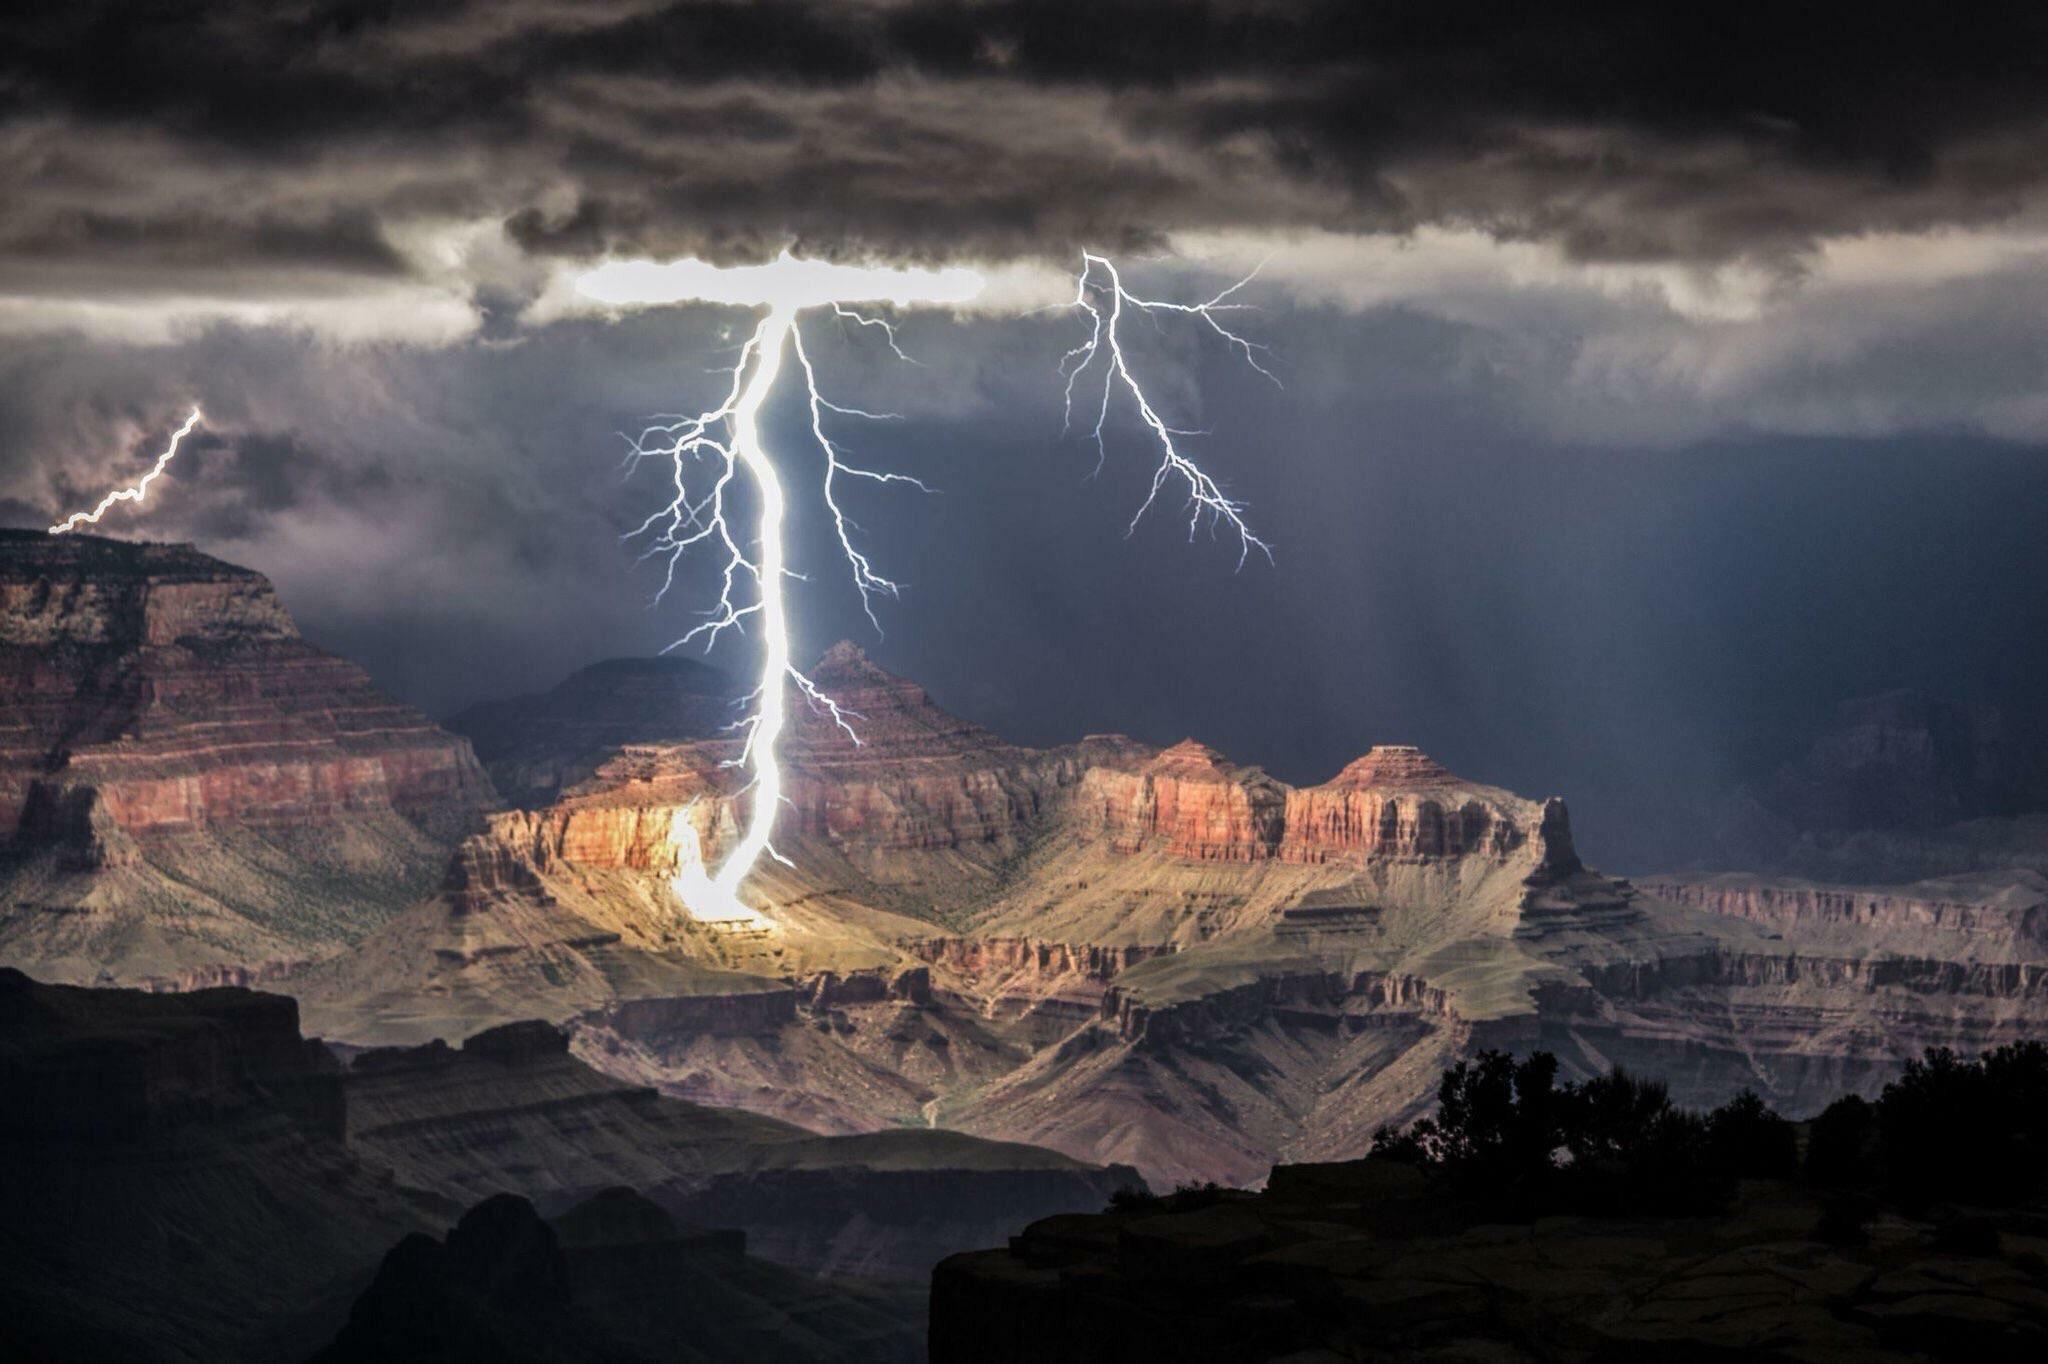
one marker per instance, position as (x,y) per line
(1648,380)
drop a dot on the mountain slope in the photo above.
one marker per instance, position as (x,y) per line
(190,791)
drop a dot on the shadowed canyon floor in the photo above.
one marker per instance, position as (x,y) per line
(186,1176)
(1357,1261)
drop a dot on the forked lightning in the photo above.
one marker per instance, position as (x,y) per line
(707,453)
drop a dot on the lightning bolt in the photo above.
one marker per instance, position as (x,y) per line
(132,494)
(708,453)
(1104,303)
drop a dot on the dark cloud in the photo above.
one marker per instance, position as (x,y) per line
(1513,524)
(1632,628)
(261,133)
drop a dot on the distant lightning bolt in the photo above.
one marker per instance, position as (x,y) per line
(1104,305)
(135,493)
(707,453)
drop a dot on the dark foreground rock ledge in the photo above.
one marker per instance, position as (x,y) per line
(1357,1261)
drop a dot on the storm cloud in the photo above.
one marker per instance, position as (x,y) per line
(1654,378)
(208,146)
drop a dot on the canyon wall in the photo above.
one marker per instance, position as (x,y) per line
(2005,909)
(150,690)
(188,789)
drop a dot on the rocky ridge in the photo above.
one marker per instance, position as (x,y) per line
(1163,958)
(185,783)
(1899,787)
(1154,957)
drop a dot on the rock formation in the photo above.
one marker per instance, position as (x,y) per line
(512,1108)
(177,1184)
(538,746)
(1161,958)
(1134,956)
(187,1176)
(613,1281)
(1898,787)
(1358,1261)
(185,784)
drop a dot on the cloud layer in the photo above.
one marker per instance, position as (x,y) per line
(314,154)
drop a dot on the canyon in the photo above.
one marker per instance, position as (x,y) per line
(1136,957)
(1140,956)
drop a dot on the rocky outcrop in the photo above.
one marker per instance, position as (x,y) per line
(834,989)
(176,1178)
(537,747)
(1320,1000)
(1397,804)
(186,785)
(612,1281)
(163,691)
(1393,804)
(1907,760)
(1188,802)
(2009,910)
(719,1015)
(918,779)
(1360,1260)
(224,974)
(1898,787)
(913,782)
(95,1065)
(1009,958)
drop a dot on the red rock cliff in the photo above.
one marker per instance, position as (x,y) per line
(1189,802)
(912,777)
(1397,803)
(147,689)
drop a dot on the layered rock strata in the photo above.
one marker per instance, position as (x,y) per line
(188,787)
(151,690)
(1153,957)
(1163,958)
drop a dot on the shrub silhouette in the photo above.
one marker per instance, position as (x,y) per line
(1131,1198)
(1841,1149)
(1186,1197)
(1973,1131)
(1508,1134)
(1746,1140)
(1632,1152)
(1495,1131)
